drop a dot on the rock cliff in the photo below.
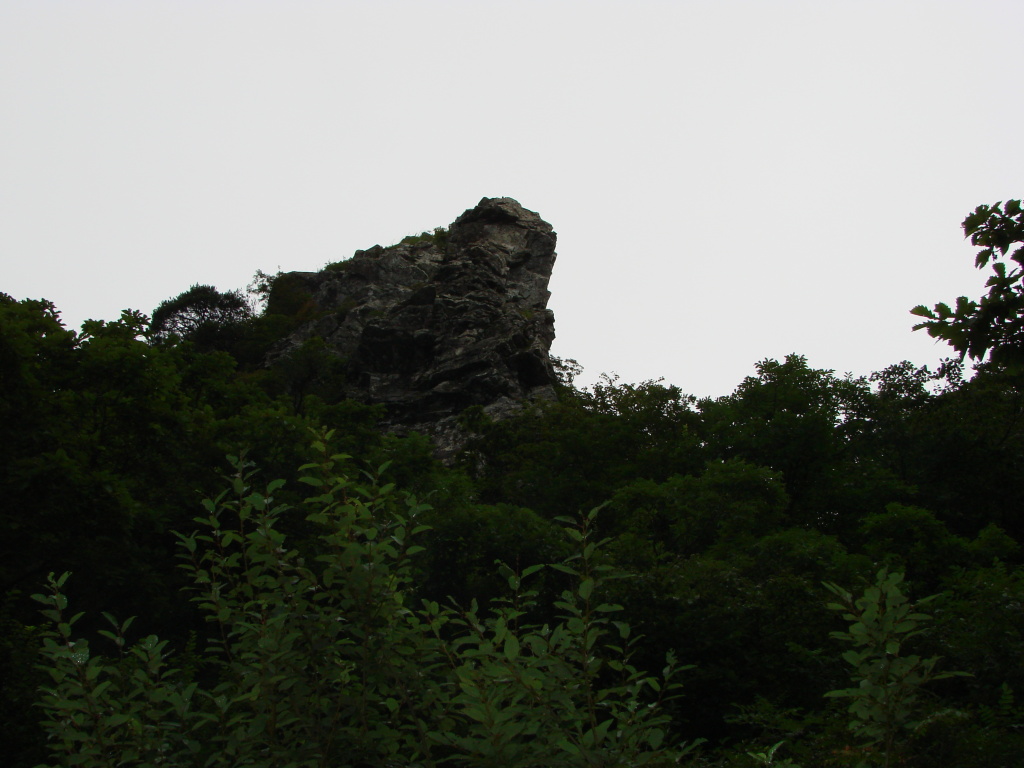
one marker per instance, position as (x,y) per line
(437,324)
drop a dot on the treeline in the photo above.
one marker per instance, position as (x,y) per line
(720,521)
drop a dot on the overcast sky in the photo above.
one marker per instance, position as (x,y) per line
(729,181)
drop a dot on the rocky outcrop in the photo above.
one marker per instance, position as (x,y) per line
(437,324)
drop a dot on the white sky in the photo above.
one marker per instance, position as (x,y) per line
(730,181)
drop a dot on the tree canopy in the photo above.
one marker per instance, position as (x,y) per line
(202,313)
(348,599)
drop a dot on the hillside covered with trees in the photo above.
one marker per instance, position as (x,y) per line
(812,570)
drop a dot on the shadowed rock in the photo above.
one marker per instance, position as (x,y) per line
(432,327)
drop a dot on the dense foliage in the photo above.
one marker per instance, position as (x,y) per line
(327,661)
(774,540)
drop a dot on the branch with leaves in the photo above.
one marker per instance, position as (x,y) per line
(994,324)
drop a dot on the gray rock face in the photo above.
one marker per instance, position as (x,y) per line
(430,328)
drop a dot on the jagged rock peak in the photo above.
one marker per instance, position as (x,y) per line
(437,323)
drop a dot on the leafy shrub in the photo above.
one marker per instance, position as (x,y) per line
(886,703)
(320,658)
(438,237)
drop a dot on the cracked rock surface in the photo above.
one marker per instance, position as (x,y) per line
(433,327)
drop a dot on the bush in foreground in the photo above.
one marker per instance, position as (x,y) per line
(319,658)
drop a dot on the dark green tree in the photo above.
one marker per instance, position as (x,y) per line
(805,423)
(204,315)
(950,451)
(600,440)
